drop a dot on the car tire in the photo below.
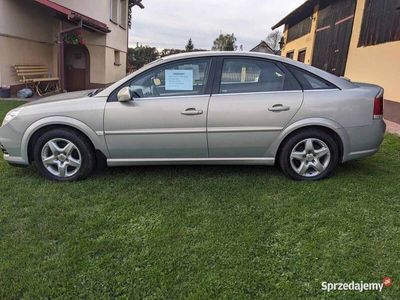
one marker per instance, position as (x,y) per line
(309,155)
(64,154)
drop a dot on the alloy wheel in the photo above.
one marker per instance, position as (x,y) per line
(310,157)
(61,157)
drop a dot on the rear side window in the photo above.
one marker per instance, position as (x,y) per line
(310,81)
(251,76)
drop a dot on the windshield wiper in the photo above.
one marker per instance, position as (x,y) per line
(95,92)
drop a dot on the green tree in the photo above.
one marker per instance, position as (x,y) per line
(189,46)
(225,42)
(167,52)
(140,56)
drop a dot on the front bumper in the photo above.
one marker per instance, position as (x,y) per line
(15,161)
(10,145)
(3,149)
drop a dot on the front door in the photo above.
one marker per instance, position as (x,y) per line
(255,101)
(333,35)
(76,68)
(167,117)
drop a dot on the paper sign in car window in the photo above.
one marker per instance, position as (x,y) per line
(179,80)
(195,68)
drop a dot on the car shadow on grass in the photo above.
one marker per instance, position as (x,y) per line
(350,169)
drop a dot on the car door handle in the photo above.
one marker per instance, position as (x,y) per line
(279,108)
(192,112)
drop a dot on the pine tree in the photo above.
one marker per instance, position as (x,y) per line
(189,46)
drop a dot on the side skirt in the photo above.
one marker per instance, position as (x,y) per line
(267,161)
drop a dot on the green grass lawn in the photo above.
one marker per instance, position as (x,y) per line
(200,232)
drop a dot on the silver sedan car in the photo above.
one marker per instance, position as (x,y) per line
(202,108)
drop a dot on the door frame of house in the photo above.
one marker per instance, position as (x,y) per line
(333,36)
(85,52)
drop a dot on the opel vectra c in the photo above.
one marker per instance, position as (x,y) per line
(202,108)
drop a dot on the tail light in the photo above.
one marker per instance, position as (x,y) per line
(378,106)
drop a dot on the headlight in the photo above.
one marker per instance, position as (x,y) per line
(11,115)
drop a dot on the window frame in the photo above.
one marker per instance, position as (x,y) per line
(116,21)
(289,66)
(290,54)
(208,84)
(117,58)
(123,15)
(301,51)
(219,69)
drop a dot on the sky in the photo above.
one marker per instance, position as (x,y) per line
(170,23)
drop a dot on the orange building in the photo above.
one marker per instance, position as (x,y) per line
(358,39)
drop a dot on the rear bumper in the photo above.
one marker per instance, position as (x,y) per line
(364,140)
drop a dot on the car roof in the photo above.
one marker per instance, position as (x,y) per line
(216,53)
(339,82)
(200,54)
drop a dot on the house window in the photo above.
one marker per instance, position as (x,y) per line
(117,57)
(114,11)
(290,54)
(124,14)
(301,57)
(381,22)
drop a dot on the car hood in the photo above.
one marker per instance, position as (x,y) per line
(61,97)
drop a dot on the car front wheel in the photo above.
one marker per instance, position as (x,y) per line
(309,155)
(64,155)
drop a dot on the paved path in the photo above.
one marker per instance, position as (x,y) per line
(392,111)
(393,127)
(33,98)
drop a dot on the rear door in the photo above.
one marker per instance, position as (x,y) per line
(253,101)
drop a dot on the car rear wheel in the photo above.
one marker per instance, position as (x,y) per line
(309,155)
(64,155)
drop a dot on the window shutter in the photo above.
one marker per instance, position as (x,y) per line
(381,22)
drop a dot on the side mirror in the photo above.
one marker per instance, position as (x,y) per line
(124,95)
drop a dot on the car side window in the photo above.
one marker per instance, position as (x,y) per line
(183,78)
(253,75)
(310,81)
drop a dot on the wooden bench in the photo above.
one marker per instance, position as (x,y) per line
(38,78)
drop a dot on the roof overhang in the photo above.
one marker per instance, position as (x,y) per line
(303,11)
(75,17)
